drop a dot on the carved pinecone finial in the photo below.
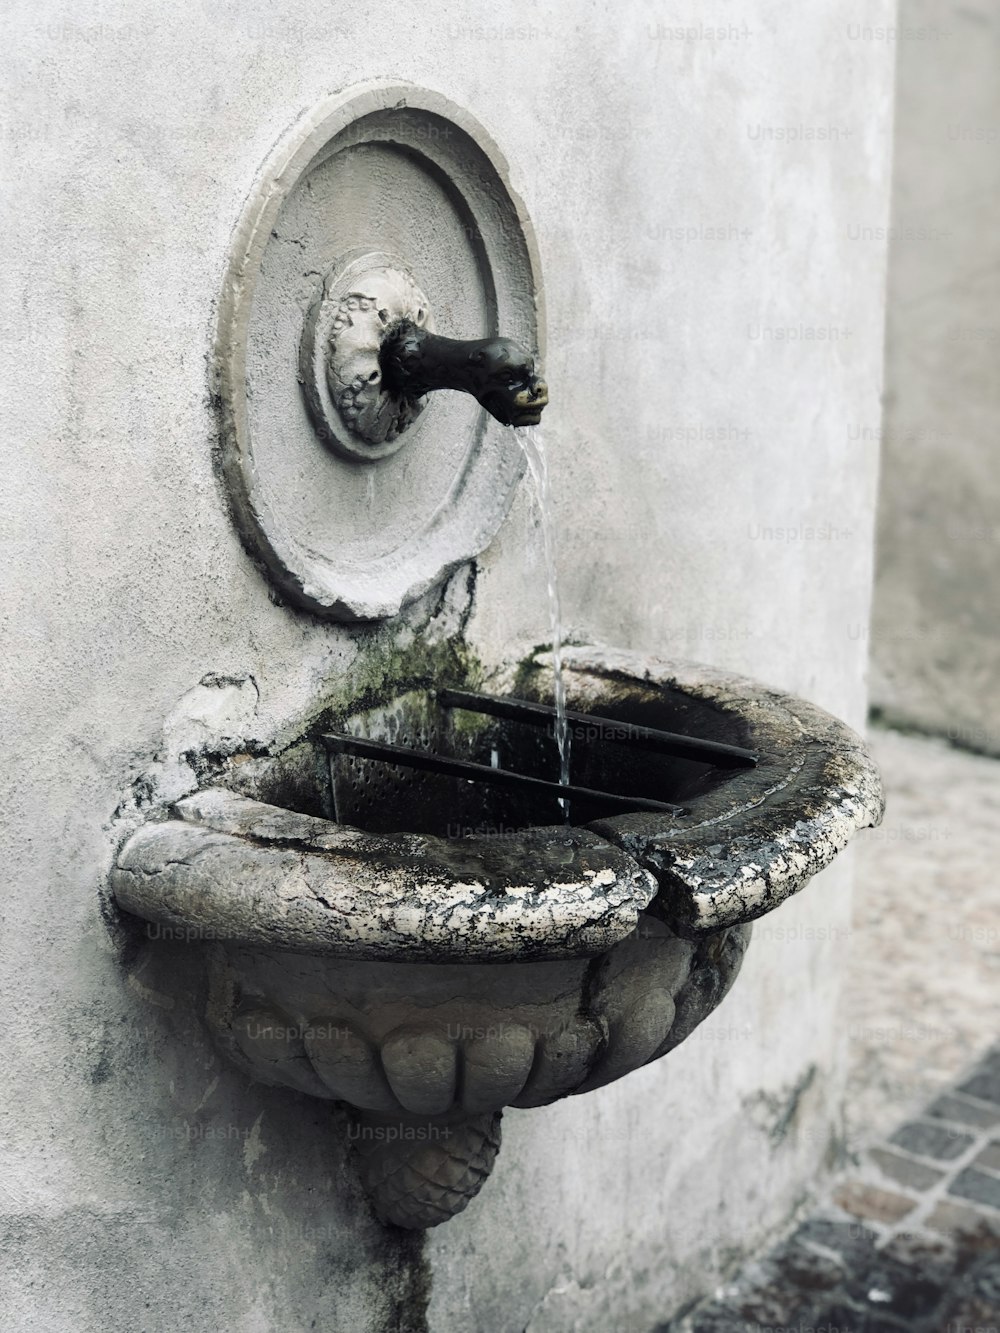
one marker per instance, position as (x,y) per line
(420,1173)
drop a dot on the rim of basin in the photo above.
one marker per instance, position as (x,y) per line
(228,868)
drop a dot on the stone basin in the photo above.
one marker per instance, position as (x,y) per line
(429,951)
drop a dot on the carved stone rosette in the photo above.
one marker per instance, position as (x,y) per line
(356,303)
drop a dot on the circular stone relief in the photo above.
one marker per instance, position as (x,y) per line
(385,203)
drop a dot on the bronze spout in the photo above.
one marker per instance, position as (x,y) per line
(498,372)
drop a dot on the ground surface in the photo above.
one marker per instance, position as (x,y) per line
(909,1238)
(924,995)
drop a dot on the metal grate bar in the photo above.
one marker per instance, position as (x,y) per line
(341,743)
(716,753)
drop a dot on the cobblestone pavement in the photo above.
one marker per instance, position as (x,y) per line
(910,1238)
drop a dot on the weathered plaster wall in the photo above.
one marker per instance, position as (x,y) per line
(711,502)
(935,629)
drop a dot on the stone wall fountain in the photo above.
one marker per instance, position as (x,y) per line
(405,905)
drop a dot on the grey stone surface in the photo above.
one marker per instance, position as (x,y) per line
(985,1085)
(717,519)
(979,1186)
(934,633)
(965,1110)
(903,1170)
(990,1156)
(950,1218)
(923,944)
(927,1139)
(915,1262)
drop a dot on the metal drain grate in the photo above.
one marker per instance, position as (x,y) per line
(412,758)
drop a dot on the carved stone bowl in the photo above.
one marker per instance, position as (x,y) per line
(439,952)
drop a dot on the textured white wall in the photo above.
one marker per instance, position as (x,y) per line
(144,1185)
(935,630)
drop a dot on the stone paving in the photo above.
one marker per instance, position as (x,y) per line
(923,994)
(910,1237)
(909,1241)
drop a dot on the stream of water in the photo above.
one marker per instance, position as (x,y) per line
(533,443)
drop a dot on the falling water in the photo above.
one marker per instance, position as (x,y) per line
(533,444)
